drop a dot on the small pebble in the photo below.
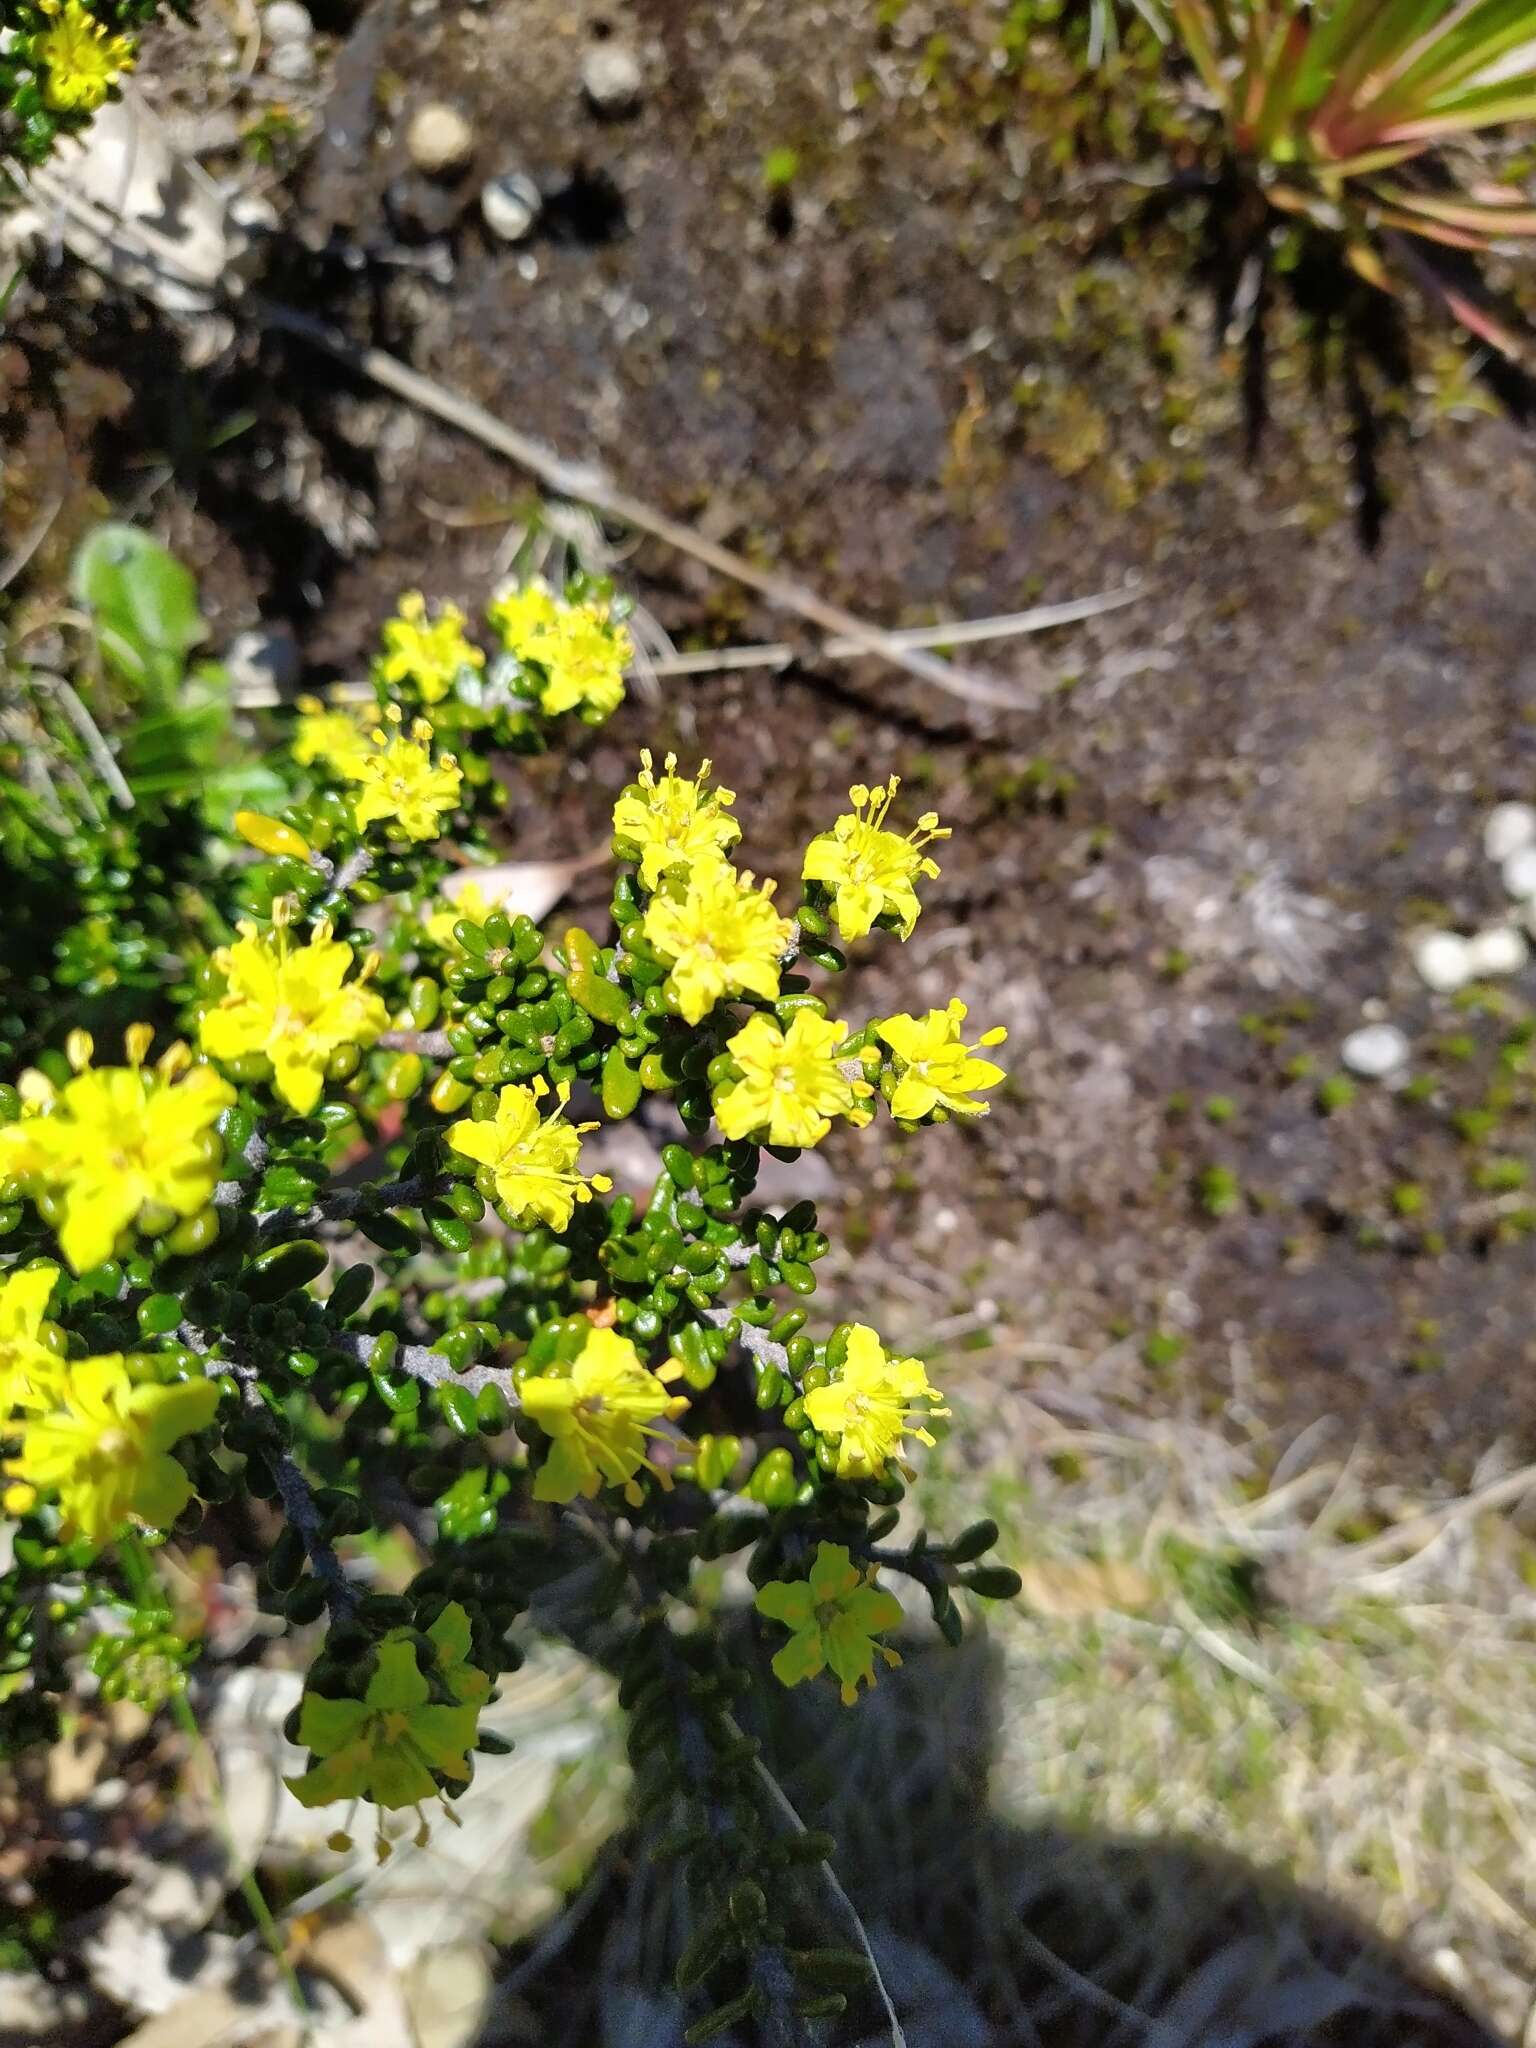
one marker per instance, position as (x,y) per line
(293,63)
(263,664)
(1519,873)
(511,205)
(612,79)
(1444,961)
(285,21)
(1499,950)
(1510,828)
(1374,1051)
(439,140)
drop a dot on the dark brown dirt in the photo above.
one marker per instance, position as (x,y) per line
(1195,860)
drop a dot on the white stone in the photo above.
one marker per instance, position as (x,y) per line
(1374,1051)
(1519,873)
(511,205)
(285,21)
(439,140)
(1509,827)
(1443,960)
(1499,950)
(611,78)
(263,664)
(292,63)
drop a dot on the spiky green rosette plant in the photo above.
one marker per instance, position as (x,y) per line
(343,1242)
(61,61)
(1335,112)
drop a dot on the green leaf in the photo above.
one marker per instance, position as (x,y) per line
(144,603)
(600,999)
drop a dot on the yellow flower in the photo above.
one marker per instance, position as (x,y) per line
(338,738)
(871,1407)
(869,870)
(29,1366)
(103,1447)
(293,1003)
(521,615)
(791,1081)
(585,655)
(833,1618)
(533,1160)
(674,821)
(429,653)
(83,61)
(387,1745)
(402,784)
(115,1141)
(599,1419)
(722,937)
(582,651)
(469,903)
(934,1069)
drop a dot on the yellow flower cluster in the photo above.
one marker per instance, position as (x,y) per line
(792,1082)
(870,871)
(294,1005)
(581,649)
(833,1618)
(720,935)
(532,1161)
(402,785)
(673,821)
(873,1406)
(31,1348)
(387,1745)
(935,1069)
(431,653)
(96,1436)
(117,1146)
(82,60)
(599,1417)
(333,736)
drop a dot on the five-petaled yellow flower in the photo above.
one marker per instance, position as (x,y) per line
(599,1419)
(403,785)
(581,649)
(336,736)
(833,1618)
(722,937)
(387,1745)
(116,1144)
(295,1005)
(872,1406)
(29,1364)
(870,871)
(102,1447)
(673,821)
(84,61)
(935,1069)
(430,653)
(792,1081)
(533,1161)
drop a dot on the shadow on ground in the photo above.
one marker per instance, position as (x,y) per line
(991,1933)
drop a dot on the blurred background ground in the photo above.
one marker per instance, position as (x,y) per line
(1223,1328)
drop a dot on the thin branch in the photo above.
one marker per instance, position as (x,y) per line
(589,484)
(761,1346)
(784,1806)
(432,1045)
(424,1364)
(947,633)
(90,737)
(303,1515)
